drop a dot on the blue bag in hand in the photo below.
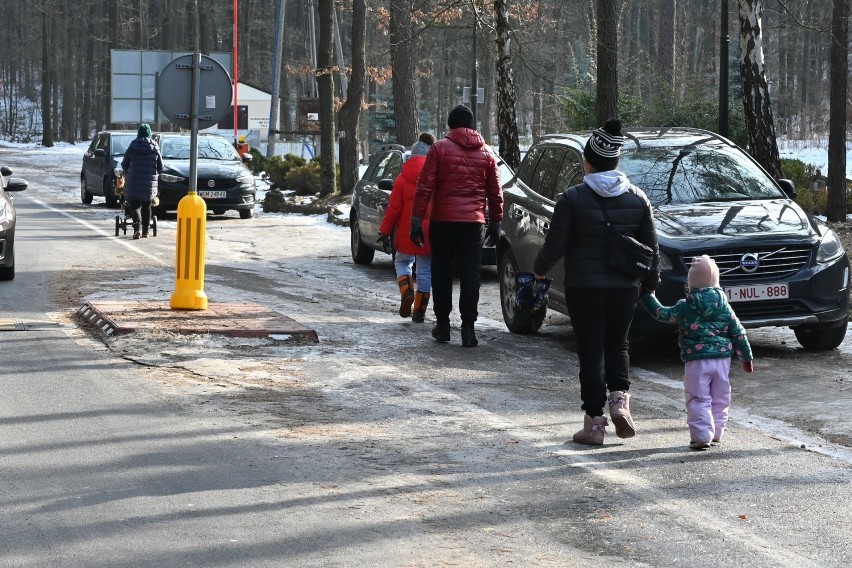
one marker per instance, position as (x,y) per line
(524,292)
(539,290)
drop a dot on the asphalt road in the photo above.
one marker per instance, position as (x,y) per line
(376,446)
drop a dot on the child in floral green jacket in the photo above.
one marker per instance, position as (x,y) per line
(709,335)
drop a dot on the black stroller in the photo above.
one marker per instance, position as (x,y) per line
(125,220)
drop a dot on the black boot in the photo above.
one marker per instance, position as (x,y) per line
(441,332)
(468,335)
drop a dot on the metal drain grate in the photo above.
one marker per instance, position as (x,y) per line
(96,319)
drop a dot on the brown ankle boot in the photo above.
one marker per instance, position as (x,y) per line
(406,293)
(421,302)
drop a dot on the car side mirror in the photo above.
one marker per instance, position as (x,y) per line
(100,152)
(788,188)
(5,171)
(247,157)
(16,184)
(386,184)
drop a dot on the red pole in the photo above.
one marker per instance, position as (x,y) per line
(236,70)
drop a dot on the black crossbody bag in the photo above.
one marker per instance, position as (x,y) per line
(626,254)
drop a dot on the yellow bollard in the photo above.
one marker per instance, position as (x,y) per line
(189,254)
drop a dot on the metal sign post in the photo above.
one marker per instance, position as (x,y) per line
(209,92)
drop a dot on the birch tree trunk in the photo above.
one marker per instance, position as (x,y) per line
(507,122)
(836,206)
(758,112)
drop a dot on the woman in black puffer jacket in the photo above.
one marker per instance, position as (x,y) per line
(142,165)
(600,299)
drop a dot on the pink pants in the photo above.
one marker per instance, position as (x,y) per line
(707,389)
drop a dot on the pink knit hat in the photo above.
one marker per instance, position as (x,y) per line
(703,273)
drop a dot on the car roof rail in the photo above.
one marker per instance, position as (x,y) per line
(551,135)
(392,147)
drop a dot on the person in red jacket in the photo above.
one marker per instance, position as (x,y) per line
(458,179)
(398,216)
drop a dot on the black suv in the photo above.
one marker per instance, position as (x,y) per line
(779,265)
(97,177)
(370,198)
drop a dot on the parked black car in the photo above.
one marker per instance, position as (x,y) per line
(97,177)
(370,198)
(779,265)
(224,182)
(7,222)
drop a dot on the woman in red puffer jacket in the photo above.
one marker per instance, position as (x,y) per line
(398,215)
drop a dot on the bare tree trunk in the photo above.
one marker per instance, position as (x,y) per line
(507,121)
(193,25)
(46,78)
(402,55)
(836,207)
(350,112)
(89,85)
(325,86)
(606,106)
(114,31)
(665,47)
(758,112)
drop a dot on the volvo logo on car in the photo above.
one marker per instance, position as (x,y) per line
(749,262)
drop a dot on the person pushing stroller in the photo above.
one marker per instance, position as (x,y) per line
(142,165)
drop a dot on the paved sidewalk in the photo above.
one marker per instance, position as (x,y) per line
(234,319)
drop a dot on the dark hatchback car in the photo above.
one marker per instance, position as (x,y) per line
(370,198)
(224,182)
(97,177)
(778,265)
(7,222)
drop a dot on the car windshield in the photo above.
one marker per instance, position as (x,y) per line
(695,174)
(209,148)
(120,142)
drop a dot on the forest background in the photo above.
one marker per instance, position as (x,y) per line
(418,55)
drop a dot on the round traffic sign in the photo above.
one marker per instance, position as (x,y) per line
(174,91)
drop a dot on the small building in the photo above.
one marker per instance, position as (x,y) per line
(253,106)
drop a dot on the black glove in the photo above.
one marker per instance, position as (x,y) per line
(385,242)
(540,288)
(492,233)
(416,231)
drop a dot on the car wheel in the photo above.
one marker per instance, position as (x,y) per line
(515,320)
(109,192)
(821,338)
(8,272)
(246,213)
(361,253)
(85,196)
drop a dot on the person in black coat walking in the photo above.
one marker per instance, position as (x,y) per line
(142,165)
(600,299)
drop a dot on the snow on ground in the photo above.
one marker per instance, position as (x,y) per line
(814,153)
